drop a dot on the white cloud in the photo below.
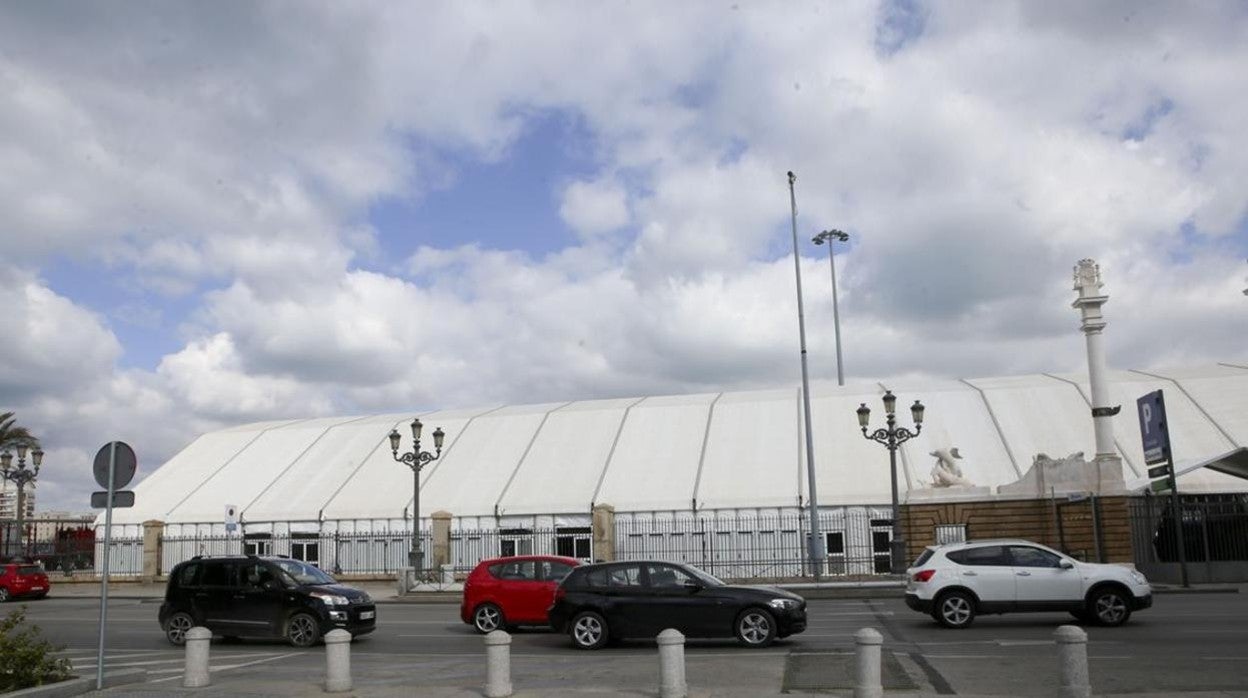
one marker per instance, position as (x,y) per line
(594,208)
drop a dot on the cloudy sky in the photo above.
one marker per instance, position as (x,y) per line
(222,213)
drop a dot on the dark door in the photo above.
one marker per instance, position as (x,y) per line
(211,600)
(627,602)
(678,600)
(256,601)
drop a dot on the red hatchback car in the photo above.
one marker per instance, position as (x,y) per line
(18,579)
(509,591)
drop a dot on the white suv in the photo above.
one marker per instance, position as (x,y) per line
(955,582)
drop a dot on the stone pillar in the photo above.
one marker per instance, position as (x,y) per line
(195,674)
(1072,657)
(441,539)
(337,661)
(672,664)
(1088,284)
(497,664)
(867,683)
(152,531)
(604,532)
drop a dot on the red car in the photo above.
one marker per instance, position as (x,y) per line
(509,591)
(22,580)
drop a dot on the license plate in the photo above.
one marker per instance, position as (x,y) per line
(367,615)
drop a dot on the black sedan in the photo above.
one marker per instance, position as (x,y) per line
(640,599)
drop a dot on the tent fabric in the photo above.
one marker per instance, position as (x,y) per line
(711,451)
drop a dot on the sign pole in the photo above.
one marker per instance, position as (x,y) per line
(1175,506)
(108,541)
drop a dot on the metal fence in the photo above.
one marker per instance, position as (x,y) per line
(762,547)
(69,546)
(1214,533)
(377,552)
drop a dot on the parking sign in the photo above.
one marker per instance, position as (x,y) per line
(1153,428)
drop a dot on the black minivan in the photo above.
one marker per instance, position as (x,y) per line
(261,597)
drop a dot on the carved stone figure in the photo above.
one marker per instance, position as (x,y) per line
(946,472)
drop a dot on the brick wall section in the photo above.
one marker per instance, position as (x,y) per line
(1031,519)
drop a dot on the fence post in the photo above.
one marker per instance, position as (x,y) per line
(497,664)
(152,531)
(195,674)
(1072,656)
(867,663)
(337,661)
(603,527)
(672,664)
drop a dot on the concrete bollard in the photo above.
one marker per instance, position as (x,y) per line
(448,574)
(867,664)
(1072,655)
(337,661)
(672,664)
(497,664)
(195,675)
(404,575)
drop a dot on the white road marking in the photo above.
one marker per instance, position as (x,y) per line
(227,667)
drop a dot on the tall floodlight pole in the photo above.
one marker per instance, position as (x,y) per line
(829,236)
(816,537)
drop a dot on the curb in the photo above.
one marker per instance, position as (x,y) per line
(83,684)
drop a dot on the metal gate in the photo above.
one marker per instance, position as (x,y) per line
(1215,538)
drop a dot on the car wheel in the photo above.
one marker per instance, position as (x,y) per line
(589,630)
(755,627)
(176,627)
(1109,607)
(487,618)
(955,609)
(303,630)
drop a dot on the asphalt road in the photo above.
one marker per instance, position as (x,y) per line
(1185,643)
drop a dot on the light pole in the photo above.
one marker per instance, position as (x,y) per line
(893,436)
(829,236)
(21,476)
(416,459)
(816,537)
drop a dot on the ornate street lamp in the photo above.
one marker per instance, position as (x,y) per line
(893,436)
(416,459)
(830,236)
(21,476)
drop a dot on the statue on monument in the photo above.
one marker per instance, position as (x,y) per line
(946,472)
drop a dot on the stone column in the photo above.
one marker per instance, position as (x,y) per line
(1072,656)
(1088,284)
(337,661)
(604,532)
(441,539)
(497,664)
(151,549)
(672,682)
(196,673)
(867,683)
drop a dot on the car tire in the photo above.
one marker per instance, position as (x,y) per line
(176,627)
(755,627)
(1108,606)
(302,630)
(488,618)
(588,630)
(955,609)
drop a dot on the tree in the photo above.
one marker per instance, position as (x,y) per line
(12,436)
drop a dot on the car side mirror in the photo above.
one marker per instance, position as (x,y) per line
(1066,565)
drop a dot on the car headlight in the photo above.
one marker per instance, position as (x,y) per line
(1139,578)
(331,599)
(782,604)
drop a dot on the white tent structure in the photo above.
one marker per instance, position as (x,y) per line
(672,455)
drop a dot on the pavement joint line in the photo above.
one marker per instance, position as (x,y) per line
(234,666)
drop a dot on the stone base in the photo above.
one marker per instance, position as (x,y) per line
(942,494)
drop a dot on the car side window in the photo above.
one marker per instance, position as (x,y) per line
(254,574)
(667,576)
(555,571)
(627,576)
(596,579)
(986,556)
(525,571)
(1026,556)
(218,575)
(187,575)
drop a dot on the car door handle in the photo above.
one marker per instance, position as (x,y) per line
(968,573)
(1024,574)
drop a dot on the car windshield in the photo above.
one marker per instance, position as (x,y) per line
(302,572)
(706,578)
(27,570)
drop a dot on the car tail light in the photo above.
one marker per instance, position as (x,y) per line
(924,575)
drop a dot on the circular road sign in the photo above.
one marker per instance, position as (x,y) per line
(124,465)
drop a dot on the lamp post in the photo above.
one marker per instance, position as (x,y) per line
(829,236)
(816,536)
(893,436)
(416,459)
(21,476)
